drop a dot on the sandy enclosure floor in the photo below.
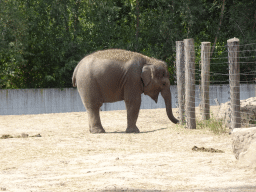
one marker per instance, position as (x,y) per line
(68,158)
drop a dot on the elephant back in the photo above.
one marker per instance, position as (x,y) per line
(125,55)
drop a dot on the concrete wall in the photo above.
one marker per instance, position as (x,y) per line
(37,101)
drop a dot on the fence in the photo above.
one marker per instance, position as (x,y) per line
(232,63)
(37,101)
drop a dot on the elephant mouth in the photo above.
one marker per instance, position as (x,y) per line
(155,98)
(154,95)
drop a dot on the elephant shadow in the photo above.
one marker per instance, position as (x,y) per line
(123,132)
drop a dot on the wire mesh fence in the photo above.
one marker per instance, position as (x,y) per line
(232,64)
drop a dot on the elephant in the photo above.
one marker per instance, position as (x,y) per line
(112,75)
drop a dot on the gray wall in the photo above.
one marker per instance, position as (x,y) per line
(36,101)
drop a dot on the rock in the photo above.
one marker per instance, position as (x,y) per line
(244,145)
(247,112)
(224,113)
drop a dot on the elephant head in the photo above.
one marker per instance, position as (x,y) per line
(155,79)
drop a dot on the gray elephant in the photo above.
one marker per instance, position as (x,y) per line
(114,75)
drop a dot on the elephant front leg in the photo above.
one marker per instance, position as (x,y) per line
(94,121)
(133,107)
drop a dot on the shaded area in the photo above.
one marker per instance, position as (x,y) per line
(231,189)
(123,132)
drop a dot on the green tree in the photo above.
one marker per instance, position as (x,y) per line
(43,40)
(13,39)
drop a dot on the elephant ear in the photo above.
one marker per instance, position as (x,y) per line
(147,74)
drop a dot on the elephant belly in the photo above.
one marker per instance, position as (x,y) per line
(110,97)
(110,79)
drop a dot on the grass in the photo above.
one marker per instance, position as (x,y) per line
(214,125)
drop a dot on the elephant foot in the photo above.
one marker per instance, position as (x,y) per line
(96,130)
(132,130)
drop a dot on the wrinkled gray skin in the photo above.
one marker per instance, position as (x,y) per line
(115,75)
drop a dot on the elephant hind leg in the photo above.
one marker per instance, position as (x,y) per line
(94,120)
(92,105)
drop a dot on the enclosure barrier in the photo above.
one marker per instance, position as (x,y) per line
(53,100)
(180,73)
(228,56)
(190,83)
(205,79)
(234,76)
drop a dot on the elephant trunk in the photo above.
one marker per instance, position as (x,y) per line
(166,94)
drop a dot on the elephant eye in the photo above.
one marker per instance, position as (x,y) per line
(164,73)
(161,75)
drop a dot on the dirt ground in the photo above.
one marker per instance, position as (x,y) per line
(68,158)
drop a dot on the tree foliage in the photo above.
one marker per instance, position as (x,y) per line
(43,40)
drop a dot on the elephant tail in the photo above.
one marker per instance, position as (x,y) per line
(74,80)
(74,77)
